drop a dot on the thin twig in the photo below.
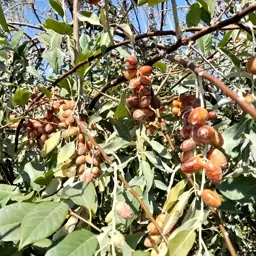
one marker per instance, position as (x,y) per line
(84,220)
(176,19)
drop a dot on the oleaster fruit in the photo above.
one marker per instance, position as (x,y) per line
(211,198)
(251,65)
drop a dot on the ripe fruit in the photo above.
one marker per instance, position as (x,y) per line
(211,198)
(134,84)
(213,172)
(152,240)
(148,112)
(81,138)
(188,145)
(145,70)
(131,62)
(212,115)
(81,150)
(124,210)
(145,101)
(186,131)
(206,134)
(145,80)
(217,157)
(194,164)
(186,155)
(251,65)
(80,160)
(176,103)
(144,91)
(96,171)
(48,128)
(138,115)
(130,74)
(44,137)
(133,101)
(71,131)
(86,176)
(198,116)
(93,1)
(67,113)
(80,169)
(176,111)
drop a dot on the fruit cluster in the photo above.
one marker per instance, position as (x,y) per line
(84,162)
(251,65)
(182,104)
(142,99)
(154,237)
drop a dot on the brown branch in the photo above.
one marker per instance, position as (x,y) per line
(84,220)
(39,27)
(244,105)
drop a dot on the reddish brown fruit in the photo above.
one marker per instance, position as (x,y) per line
(145,101)
(131,62)
(186,155)
(212,115)
(176,103)
(152,228)
(152,240)
(48,128)
(145,80)
(213,172)
(124,210)
(67,113)
(144,91)
(40,130)
(130,74)
(211,198)
(89,145)
(96,171)
(48,113)
(80,160)
(206,134)
(176,111)
(86,176)
(148,112)
(218,140)
(217,156)
(138,115)
(80,169)
(198,116)
(188,145)
(186,131)
(81,138)
(44,137)
(36,124)
(69,105)
(145,70)
(251,65)
(134,84)
(93,1)
(84,124)
(81,150)
(71,131)
(194,164)
(70,120)
(92,160)
(161,217)
(133,101)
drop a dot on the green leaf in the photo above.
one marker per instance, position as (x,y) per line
(142,2)
(45,91)
(133,239)
(60,27)
(121,129)
(89,17)
(3,22)
(148,173)
(238,188)
(208,5)
(6,192)
(122,109)
(127,31)
(182,243)
(44,179)
(8,249)
(252,18)
(42,221)
(21,97)
(205,16)
(82,193)
(16,38)
(33,71)
(66,152)
(174,194)
(225,39)
(193,15)
(160,149)
(56,5)
(117,144)
(205,44)
(10,219)
(161,65)
(55,58)
(79,242)
(140,253)
(231,56)
(155,2)
(51,143)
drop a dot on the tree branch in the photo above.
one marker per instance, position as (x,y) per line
(244,105)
